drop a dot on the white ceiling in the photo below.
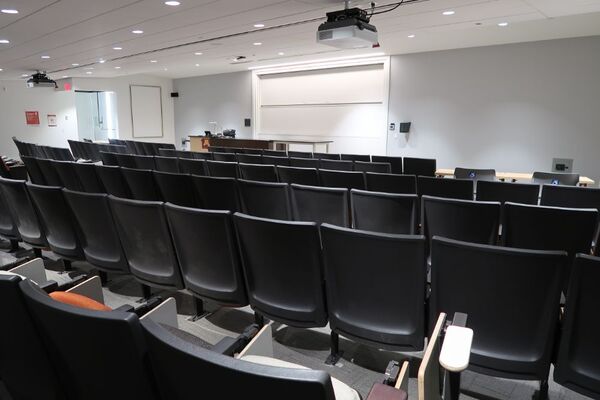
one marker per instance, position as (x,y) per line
(85,31)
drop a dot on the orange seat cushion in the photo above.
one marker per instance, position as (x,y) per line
(78,300)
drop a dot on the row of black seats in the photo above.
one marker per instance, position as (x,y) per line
(142,148)
(172,163)
(512,302)
(91,151)
(48,152)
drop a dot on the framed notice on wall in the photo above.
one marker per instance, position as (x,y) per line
(52,120)
(32,117)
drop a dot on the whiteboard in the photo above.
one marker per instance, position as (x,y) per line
(146,111)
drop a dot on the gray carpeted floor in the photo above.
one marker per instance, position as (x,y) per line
(360,366)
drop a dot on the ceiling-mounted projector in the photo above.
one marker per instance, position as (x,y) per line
(40,79)
(348,29)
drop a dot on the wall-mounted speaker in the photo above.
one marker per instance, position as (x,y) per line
(404,127)
(174,94)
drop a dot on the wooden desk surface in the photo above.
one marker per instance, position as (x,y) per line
(519,176)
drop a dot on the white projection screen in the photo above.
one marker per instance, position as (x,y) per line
(146,111)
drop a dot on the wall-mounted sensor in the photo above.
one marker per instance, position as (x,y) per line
(392,126)
(405,127)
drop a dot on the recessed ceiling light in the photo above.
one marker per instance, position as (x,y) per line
(65,76)
(1,70)
(449,12)
(166,69)
(153,61)
(117,67)
(117,48)
(89,68)
(45,57)
(4,41)
(259,25)
(281,53)
(502,24)
(172,3)
(137,31)
(257,43)
(198,53)
(411,36)
(25,75)
(197,65)
(89,72)
(9,11)
(102,61)
(75,65)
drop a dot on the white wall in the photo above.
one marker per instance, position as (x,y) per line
(224,98)
(121,88)
(510,107)
(16,98)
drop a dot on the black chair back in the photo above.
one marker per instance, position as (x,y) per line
(197,155)
(23,212)
(555,178)
(382,168)
(90,182)
(67,175)
(208,254)
(327,156)
(216,193)
(144,162)
(265,199)
(113,181)
(292,295)
(475,174)
(419,166)
(355,262)
(97,231)
(98,354)
(176,188)
(162,152)
(255,172)
(146,241)
(225,157)
(300,154)
(391,183)
(336,165)
(249,158)
(222,169)
(320,205)
(109,158)
(577,364)
(301,176)
(275,160)
(304,162)
(512,299)
(141,184)
(395,163)
(8,228)
(466,220)
(176,363)
(342,179)
(33,170)
(57,221)
(549,228)
(51,177)
(274,153)
(524,193)
(570,196)
(384,212)
(447,188)
(126,160)
(166,164)
(24,356)
(193,167)
(356,157)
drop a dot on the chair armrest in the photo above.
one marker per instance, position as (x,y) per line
(49,286)
(456,349)
(165,313)
(125,308)
(380,391)
(230,346)
(91,288)
(260,345)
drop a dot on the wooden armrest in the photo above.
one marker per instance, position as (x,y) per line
(33,270)
(260,345)
(91,288)
(164,313)
(402,382)
(456,349)
(380,391)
